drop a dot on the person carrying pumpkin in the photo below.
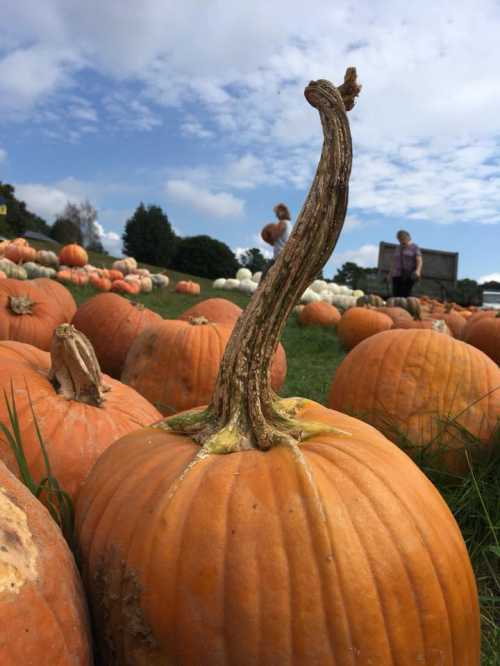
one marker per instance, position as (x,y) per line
(406,267)
(276,234)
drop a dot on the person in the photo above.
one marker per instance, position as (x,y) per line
(406,267)
(277,234)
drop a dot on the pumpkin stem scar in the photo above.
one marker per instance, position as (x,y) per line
(21,305)
(75,370)
(244,412)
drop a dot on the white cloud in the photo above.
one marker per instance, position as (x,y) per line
(365,256)
(111,241)
(3,155)
(44,200)
(219,204)
(491,277)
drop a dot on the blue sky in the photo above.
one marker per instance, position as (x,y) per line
(199,108)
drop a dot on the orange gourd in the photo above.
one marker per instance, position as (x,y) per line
(218,310)
(187,287)
(27,313)
(80,412)
(42,602)
(262,530)
(319,313)
(112,323)
(358,323)
(421,389)
(19,253)
(73,255)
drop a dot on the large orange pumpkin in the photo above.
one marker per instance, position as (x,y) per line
(359,323)
(319,313)
(28,314)
(174,363)
(421,389)
(79,412)
(20,253)
(73,255)
(256,532)
(42,604)
(112,323)
(218,310)
(485,335)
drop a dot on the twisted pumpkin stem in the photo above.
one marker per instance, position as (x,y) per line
(21,305)
(244,412)
(75,370)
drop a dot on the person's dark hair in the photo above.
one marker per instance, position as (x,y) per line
(403,233)
(282,211)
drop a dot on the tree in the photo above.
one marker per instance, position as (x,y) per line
(65,231)
(149,237)
(351,274)
(204,256)
(18,219)
(83,216)
(253,259)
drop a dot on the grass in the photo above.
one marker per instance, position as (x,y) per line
(313,354)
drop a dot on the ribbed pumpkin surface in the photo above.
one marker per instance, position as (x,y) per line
(174,364)
(218,310)
(485,335)
(112,323)
(42,606)
(319,313)
(59,294)
(274,559)
(413,382)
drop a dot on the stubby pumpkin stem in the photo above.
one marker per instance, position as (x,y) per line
(244,412)
(21,305)
(75,370)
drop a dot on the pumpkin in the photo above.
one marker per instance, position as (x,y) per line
(243,274)
(270,233)
(73,255)
(370,299)
(34,270)
(174,363)
(187,287)
(28,314)
(424,324)
(125,265)
(112,323)
(19,253)
(319,314)
(2,275)
(60,294)
(79,278)
(115,275)
(159,280)
(64,275)
(42,603)
(357,323)
(79,411)
(124,287)
(411,304)
(395,313)
(485,335)
(422,389)
(274,531)
(98,282)
(473,319)
(453,321)
(47,258)
(218,310)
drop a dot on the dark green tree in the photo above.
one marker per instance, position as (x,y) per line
(253,259)
(349,274)
(66,231)
(149,237)
(18,219)
(204,256)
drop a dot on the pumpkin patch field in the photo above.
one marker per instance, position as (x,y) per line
(269,471)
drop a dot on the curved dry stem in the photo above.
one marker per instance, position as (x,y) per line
(75,370)
(244,412)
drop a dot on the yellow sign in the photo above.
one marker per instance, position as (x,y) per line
(3,209)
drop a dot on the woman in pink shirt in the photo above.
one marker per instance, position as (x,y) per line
(406,265)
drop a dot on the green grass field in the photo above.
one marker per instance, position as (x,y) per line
(313,355)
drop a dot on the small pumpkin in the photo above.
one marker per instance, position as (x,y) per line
(319,314)
(411,304)
(159,280)
(126,287)
(357,324)
(79,411)
(73,255)
(19,253)
(125,265)
(187,287)
(42,602)
(47,258)
(370,299)
(100,283)
(112,323)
